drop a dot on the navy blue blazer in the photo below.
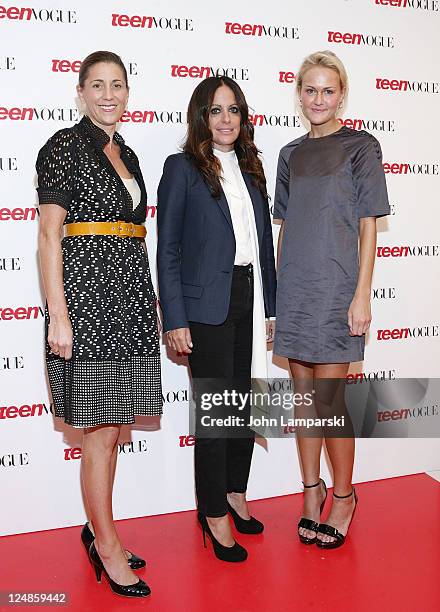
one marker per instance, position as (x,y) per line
(196,247)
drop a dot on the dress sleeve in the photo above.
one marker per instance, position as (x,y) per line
(369,179)
(282,185)
(55,167)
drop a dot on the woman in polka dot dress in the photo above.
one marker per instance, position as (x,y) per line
(103,357)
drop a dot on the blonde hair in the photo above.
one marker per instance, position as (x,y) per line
(328,59)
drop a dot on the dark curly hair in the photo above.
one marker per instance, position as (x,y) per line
(198,143)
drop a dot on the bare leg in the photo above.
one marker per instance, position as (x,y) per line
(98,447)
(341,454)
(309,448)
(113,462)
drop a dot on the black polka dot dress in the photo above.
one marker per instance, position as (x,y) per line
(114,373)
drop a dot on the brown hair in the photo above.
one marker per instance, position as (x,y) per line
(96,58)
(198,143)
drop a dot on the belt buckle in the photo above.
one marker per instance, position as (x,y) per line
(125,229)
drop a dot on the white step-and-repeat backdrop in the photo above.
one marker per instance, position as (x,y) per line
(391,50)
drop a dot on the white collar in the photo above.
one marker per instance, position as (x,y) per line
(224,154)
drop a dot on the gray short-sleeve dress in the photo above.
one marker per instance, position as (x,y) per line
(324,186)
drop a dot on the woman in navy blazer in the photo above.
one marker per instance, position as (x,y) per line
(217,284)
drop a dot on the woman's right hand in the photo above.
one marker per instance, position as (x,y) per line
(180,340)
(60,336)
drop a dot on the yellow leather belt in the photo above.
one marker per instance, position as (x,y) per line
(98,228)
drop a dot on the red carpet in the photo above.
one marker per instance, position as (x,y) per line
(390,562)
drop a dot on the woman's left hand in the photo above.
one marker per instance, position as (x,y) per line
(359,315)
(270,331)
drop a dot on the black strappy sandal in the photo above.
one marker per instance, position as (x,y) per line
(306,523)
(332,531)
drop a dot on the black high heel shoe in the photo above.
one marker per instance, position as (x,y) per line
(139,589)
(87,538)
(332,531)
(306,523)
(233,554)
(249,526)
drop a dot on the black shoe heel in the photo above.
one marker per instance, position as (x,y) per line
(87,538)
(250,526)
(306,523)
(232,554)
(325,529)
(139,589)
(98,572)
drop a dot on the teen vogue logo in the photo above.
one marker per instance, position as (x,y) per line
(203,72)
(425,5)
(15,13)
(158,23)
(275,120)
(414,168)
(425,250)
(39,114)
(65,65)
(372,125)
(150,116)
(403,333)
(432,87)
(271,31)
(378,375)
(368,40)
(132,447)
(408,413)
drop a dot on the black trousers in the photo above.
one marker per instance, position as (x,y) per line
(222,465)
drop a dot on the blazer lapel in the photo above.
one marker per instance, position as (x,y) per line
(224,207)
(256,199)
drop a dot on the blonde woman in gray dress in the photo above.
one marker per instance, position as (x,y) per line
(330,189)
